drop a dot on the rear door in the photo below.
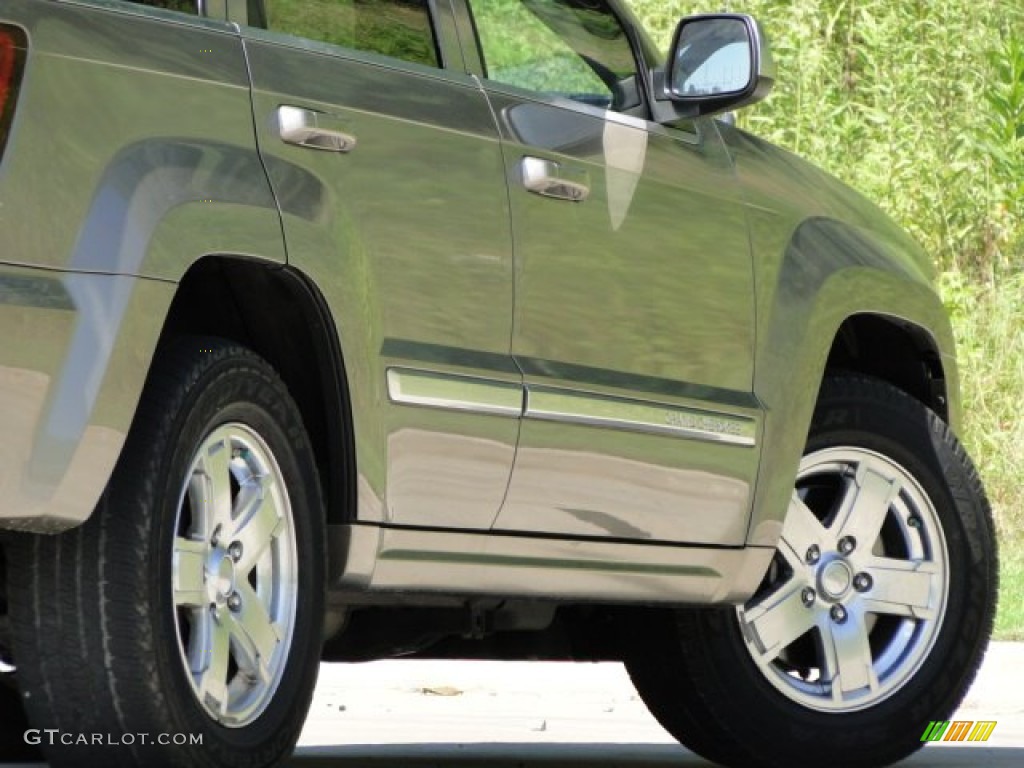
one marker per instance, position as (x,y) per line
(388,171)
(634,317)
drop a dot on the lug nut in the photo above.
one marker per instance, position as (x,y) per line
(234,602)
(808,597)
(838,614)
(813,554)
(862,582)
(235,551)
(847,544)
(914,521)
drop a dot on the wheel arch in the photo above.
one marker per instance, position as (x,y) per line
(281,315)
(899,352)
(840,298)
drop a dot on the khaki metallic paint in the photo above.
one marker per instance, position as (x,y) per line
(146,115)
(647,281)
(822,253)
(465,563)
(147,119)
(64,417)
(409,242)
(646,291)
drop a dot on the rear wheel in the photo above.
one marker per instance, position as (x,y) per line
(875,612)
(183,621)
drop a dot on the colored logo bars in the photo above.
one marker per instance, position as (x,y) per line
(958,730)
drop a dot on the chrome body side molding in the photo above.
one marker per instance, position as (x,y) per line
(551,404)
(454,392)
(433,389)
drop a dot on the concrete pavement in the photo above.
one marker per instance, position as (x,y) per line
(427,714)
(481,714)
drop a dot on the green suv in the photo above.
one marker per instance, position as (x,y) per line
(349,329)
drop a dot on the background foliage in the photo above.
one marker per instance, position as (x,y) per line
(919,104)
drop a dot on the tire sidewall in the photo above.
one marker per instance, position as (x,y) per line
(241,389)
(904,431)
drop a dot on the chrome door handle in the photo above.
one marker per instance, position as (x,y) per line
(307,128)
(542,178)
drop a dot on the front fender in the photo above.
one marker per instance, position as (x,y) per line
(822,253)
(829,271)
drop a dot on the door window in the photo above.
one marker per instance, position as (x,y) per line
(576,49)
(398,28)
(185,6)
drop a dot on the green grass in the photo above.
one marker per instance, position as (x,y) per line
(918,105)
(921,107)
(989,324)
(1010,618)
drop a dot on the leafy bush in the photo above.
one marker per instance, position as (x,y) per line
(918,105)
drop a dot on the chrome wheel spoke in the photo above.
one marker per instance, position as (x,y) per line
(779,620)
(865,505)
(199,499)
(211,677)
(846,657)
(800,532)
(254,636)
(188,568)
(258,523)
(215,465)
(903,588)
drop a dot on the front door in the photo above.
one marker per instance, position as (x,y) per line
(634,319)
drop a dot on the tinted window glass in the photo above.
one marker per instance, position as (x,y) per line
(572,48)
(398,28)
(186,6)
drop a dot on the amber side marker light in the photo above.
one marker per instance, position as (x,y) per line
(12,60)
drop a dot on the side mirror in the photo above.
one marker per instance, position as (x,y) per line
(717,62)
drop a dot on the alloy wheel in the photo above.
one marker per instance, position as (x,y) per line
(235,575)
(856,594)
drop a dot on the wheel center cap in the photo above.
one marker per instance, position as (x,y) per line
(835,579)
(224,577)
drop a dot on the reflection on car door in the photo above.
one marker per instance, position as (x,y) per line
(389,175)
(634,303)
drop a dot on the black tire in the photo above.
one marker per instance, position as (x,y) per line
(14,747)
(95,611)
(698,675)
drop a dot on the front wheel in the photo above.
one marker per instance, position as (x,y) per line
(873,617)
(181,625)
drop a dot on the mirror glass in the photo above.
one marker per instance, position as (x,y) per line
(712,57)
